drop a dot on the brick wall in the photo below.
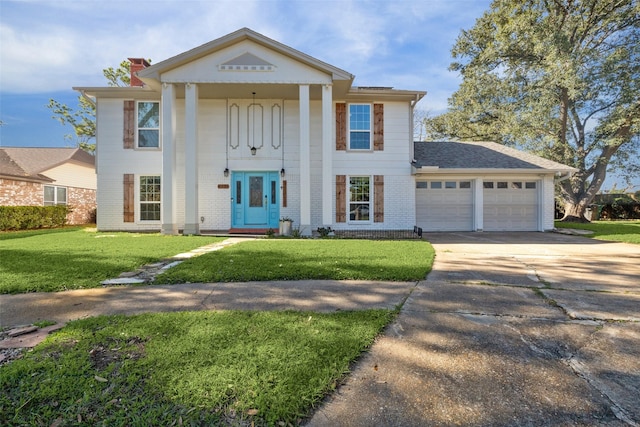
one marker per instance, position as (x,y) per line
(22,193)
(83,202)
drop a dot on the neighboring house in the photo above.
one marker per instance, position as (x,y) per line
(242,131)
(49,176)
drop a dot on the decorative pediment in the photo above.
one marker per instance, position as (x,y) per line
(246,62)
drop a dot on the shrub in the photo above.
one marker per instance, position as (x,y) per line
(32,217)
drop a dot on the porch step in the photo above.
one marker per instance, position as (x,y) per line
(254,231)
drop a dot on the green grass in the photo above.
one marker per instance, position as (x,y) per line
(329,259)
(189,368)
(55,260)
(617,231)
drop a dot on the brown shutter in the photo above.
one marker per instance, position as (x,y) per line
(129,197)
(378,127)
(284,193)
(378,198)
(129,124)
(341,198)
(341,126)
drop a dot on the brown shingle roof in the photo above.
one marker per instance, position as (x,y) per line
(28,163)
(480,155)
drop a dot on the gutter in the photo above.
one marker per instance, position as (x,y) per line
(87,97)
(561,177)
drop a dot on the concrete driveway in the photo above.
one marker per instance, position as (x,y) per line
(510,329)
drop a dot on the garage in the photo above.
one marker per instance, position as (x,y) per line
(444,205)
(510,205)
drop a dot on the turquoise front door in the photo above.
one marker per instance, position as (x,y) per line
(255,199)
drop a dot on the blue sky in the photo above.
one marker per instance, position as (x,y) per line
(48,46)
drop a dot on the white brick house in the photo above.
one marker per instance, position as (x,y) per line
(242,131)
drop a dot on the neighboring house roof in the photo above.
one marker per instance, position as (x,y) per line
(28,163)
(480,156)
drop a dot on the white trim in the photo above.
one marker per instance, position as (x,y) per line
(138,203)
(137,132)
(370,202)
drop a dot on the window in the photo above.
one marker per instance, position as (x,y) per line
(421,184)
(359,198)
(502,184)
(436,184)
(450,184)
(487,184)
(149,198)
(148,124)
(359,126)
(55,195)
(516,185)
(465,184)
(530,185)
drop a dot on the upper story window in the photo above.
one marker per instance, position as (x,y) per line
(359,126)
(55,195)
(148,124)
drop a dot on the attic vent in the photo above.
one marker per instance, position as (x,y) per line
(247,62)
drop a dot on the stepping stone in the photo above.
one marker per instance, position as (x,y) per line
(21,331)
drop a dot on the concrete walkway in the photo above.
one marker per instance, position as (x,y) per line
(510,329)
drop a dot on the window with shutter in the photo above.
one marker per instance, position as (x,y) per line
(128,134)
(129,197)
(378,198)
(378,127)
(341,198)
(341,126)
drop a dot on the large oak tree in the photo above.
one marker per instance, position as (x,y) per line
(560,78)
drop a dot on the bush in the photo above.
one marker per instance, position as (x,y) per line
(32,217)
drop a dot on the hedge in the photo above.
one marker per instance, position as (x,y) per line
(32,217)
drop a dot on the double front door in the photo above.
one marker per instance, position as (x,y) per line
(255,199)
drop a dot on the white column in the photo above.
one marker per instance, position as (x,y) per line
(478,204)
(305,162)
(191,217)
(168,180)
(327,156)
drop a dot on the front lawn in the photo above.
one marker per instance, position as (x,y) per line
(320,259)
(189,368)
(56,260)
(617,231)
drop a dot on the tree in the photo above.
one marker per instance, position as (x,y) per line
(83,117)
(560,78)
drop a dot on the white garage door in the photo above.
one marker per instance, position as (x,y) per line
(444,205)
(510,206)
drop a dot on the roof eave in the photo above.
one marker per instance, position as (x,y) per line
(154,72)
(118,92)
(435,170)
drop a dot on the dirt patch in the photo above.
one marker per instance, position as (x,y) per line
(116,350)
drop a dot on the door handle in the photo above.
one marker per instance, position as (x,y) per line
(265,202)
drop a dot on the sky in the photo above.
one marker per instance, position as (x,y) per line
(49,46)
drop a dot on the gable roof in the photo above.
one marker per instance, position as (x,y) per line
(28,163)
(154,71)
(480,156)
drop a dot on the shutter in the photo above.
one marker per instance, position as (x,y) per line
(341,198)
(341,126)
(378,198)
(378,127)
(129,124)
(284,193)
(129,197)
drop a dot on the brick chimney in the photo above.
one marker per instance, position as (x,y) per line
(137,64)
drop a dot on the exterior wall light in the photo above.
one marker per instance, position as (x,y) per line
(282,173)
(253,151)
(226,172)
